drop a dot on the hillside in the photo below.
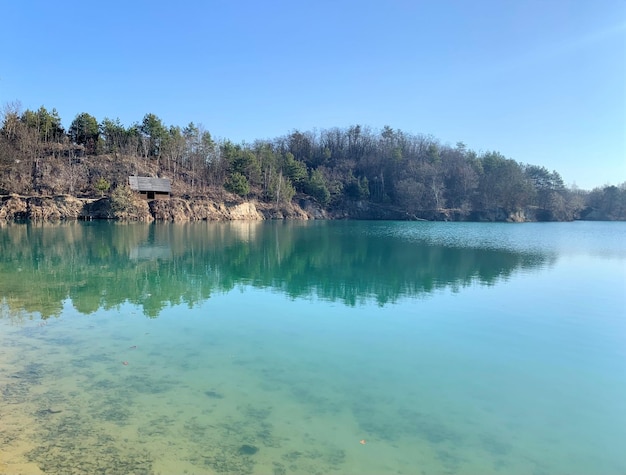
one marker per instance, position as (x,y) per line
(335,173)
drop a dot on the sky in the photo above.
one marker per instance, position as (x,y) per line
(542,82)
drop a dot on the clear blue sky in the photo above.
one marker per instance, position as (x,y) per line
(542,82)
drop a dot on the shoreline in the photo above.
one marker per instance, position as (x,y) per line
(18,208)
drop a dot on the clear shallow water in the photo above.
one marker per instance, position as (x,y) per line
(277,347)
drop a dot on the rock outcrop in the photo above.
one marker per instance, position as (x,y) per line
(16,208)
(12,208)
(60,208)
(63,207)
(180,210)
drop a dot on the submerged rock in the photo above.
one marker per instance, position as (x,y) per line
(246,449)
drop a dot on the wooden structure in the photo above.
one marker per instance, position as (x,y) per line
(151,188)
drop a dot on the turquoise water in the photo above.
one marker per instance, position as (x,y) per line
(278,347)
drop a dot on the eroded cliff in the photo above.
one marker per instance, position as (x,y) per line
(63,207)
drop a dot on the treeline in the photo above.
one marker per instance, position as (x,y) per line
(338,167)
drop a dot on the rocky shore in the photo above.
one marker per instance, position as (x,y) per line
(16,208)
(65,207)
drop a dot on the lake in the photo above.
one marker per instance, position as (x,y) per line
(341,347)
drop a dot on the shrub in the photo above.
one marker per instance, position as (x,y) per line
(102,185)
(126,205)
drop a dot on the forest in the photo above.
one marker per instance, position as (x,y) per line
(338,168)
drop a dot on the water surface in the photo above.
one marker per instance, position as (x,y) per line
(277,347)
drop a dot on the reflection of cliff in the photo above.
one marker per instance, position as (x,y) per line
(150,252)
(101,265)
